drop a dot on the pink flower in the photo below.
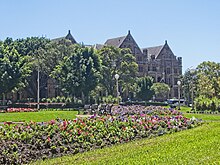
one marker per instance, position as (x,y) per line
(154,121)
(48,139)
(52,122)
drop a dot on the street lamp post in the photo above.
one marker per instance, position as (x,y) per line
(38,87)
(192,72)
(117,90)
(192,97)
(179,83)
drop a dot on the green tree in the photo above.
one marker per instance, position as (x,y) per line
(189,83)
(208,79)
(120,61)
(14,68)
(34,47)
(145,92)
(161,90)
(52,54)
(79,71)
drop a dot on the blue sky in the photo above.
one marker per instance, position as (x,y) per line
(192,27)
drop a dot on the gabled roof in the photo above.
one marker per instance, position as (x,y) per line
(115,41)
(68,36)
(98,46)
(154,50)
(58,39)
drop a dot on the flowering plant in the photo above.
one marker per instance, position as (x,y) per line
(31,141)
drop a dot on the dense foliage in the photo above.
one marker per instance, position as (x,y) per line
(202,85)
(14,68)
(161,90)
(120,61)
(31,141)
(79,71)
(145,92)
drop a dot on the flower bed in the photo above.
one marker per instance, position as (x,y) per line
(21,110)
(138,109)
(24,143)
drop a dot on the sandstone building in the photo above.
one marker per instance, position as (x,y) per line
(158,62)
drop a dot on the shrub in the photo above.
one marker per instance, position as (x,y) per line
(202,104)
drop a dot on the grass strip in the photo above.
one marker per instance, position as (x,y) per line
(205,117)
(37,116)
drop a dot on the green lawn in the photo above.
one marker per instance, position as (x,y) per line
(200,145)
(185,109)
(37,116)
(205,117)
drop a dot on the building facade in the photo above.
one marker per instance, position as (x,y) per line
(158,62)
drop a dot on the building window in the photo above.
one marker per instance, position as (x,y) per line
(148,68)
(168,71)
(175,81)
(176,92)
(140,68)
(154,68)
(169,81)
(175,70)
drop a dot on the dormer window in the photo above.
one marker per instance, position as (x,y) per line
(152,57)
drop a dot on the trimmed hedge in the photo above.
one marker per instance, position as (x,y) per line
(144,103)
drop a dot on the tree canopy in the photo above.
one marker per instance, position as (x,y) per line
(145,91)
(14,68)
(78,73)
(161,90)
(121,61)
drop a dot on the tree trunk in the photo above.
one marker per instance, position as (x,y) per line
(83,99)
(3,99)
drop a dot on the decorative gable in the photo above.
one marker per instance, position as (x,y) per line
(130,43)
(166,52)
(70,37)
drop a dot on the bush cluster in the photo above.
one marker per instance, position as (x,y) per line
(145,103)
(203,104)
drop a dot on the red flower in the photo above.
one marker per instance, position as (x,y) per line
(48,139)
